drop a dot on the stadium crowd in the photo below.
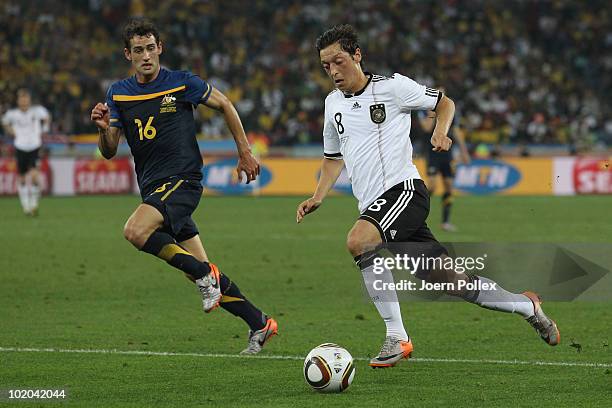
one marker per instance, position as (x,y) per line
(522,71)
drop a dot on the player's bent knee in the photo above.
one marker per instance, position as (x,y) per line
(352,245)
(363,237)
(357,245)
(135,233)
(129,232)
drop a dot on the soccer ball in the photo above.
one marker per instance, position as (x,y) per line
(329,368)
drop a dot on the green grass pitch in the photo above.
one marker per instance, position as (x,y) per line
(70,281)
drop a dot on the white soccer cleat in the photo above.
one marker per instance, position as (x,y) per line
(210,289)
(393,350)
(545,326)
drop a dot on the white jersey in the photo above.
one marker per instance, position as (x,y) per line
(370,130)
(27,126)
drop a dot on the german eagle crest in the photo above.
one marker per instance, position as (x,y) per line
(377,113)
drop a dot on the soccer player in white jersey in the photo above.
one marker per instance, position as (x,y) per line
(367,128)
(26,124)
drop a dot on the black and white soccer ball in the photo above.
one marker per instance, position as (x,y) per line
(329,368)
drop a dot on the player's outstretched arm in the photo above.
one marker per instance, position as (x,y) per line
(445,111)
(330,171)
(247,163)
(109,136)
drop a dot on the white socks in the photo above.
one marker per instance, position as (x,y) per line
(24,197)
(385,301)
(389,309)
(501,300)
(29,196)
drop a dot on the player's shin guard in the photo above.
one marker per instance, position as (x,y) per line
(498,298)
(447,203)
(163,246)
(237,304)
(385,300)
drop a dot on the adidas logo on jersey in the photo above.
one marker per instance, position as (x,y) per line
(356,106)
(393,232)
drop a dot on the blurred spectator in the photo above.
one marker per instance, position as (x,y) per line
(528,71)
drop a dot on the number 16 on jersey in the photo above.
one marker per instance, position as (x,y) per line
(149,131)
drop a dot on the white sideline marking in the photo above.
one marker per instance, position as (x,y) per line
(297,358)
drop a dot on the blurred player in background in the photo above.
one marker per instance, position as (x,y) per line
(441,163)
(153,110)
(367,127)
(26,124)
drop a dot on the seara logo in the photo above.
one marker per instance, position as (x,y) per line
(220,176)
(486,177)
(593,176)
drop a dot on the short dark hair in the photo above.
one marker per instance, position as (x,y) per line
(140,27)
(344,34)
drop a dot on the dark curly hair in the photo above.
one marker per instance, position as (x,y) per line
(140,27)
(343,34)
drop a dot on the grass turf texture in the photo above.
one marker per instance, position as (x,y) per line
(69,280)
